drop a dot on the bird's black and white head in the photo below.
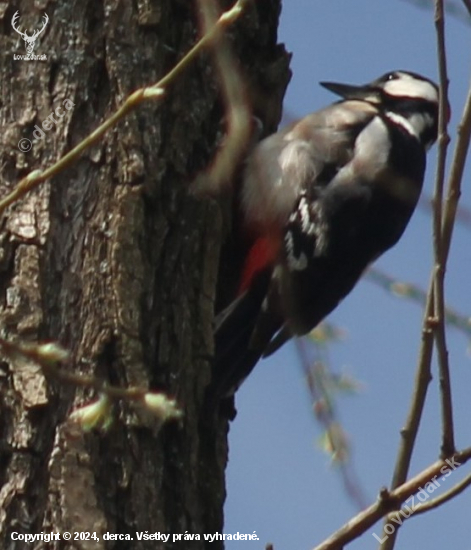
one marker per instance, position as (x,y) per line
(405,98)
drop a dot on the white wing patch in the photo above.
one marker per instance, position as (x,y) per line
(306,226)
(295,262)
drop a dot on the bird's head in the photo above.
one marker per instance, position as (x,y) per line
(403,94)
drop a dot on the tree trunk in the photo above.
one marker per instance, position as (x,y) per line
(117,261)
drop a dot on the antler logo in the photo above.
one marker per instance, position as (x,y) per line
(30,40)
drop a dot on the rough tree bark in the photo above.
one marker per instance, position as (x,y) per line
(118,262)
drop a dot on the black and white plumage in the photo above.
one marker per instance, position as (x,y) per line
(323,198)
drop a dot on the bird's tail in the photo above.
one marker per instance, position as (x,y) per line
(236,352)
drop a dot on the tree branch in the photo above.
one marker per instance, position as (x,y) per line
(387,502)
(236,108)
(403,289)
(156,91)
(448,444)
(423,374)
(442,499)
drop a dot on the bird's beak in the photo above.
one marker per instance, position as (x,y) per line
(367,92)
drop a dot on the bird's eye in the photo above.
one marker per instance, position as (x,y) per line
(391,76)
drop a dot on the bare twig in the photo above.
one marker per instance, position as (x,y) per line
(448,444)
(321,389)
(236,108)
(452,9)
(156,91)
(36,177)
(422,380)
(417,294)
(36,353)
(463,214)
(456,175)
(423,375)
(442,499)
(387,502)
(49,357)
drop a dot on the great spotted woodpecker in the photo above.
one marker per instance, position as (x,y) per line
(323,198)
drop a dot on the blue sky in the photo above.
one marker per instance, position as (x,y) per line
(280,484)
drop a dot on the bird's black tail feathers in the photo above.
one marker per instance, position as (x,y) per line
(236,353)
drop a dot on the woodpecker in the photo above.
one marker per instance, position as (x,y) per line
(323,198)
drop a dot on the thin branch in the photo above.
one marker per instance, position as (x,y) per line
(321,387)
(456,175)
(417,294)
(36,177)
(448,444)
(442,499)
(423,373)
(238,115)
(387,502)
(38,354)
(156,91)
(451,206)
(422,379)
(50,357)
(452,9)
(463,214)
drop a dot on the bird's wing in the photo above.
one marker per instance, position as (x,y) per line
(284,169)
(305,154)
(330,136)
